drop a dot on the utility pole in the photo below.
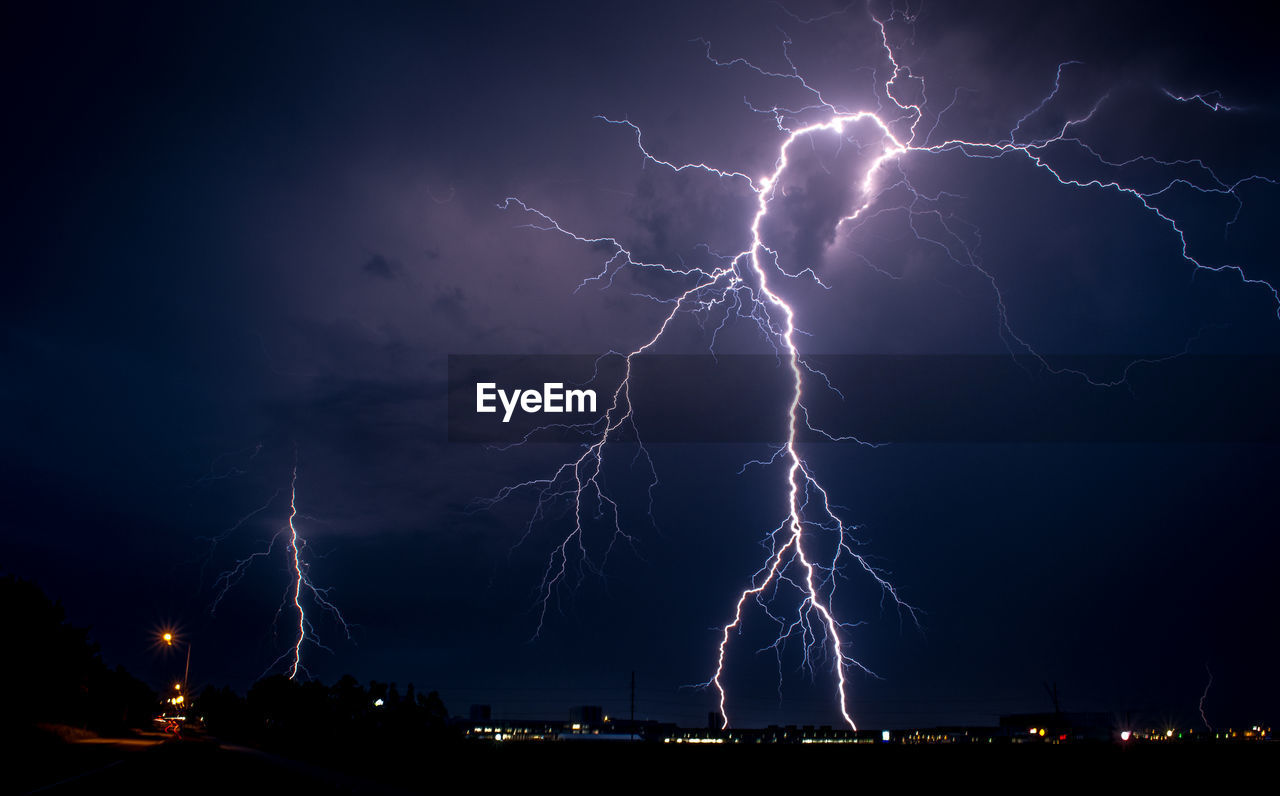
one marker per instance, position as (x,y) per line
(1053,695)
(633,704)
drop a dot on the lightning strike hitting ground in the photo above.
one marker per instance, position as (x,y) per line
(300,587)
(794,587)
(1205,695)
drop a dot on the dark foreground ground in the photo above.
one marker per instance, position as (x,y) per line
(152,764)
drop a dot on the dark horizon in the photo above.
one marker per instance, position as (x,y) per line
(248,241)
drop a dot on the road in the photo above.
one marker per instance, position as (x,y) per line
(193,765)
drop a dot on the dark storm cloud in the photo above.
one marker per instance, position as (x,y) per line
(196,187)
(811,204)
(381,268)
(678,213)
(450,301)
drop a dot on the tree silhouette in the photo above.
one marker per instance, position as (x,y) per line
(54,673)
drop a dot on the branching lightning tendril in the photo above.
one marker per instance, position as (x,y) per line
(743,286)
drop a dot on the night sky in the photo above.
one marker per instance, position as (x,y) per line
(253,234)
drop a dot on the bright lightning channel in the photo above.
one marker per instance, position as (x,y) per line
(300,589)
(741,287)
(1204,696)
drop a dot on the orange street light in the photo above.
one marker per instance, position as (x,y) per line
(169,639)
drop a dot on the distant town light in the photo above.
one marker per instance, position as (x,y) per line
(1124,735)
(884,736)
(377,703)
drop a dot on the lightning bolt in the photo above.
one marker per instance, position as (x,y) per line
(795,586)
(299,590)
(1205,695)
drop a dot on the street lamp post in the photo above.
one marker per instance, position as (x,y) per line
(168,639)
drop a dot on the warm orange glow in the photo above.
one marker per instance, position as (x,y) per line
(168,639)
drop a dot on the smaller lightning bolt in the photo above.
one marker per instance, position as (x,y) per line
(1204,716)
(300,590)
